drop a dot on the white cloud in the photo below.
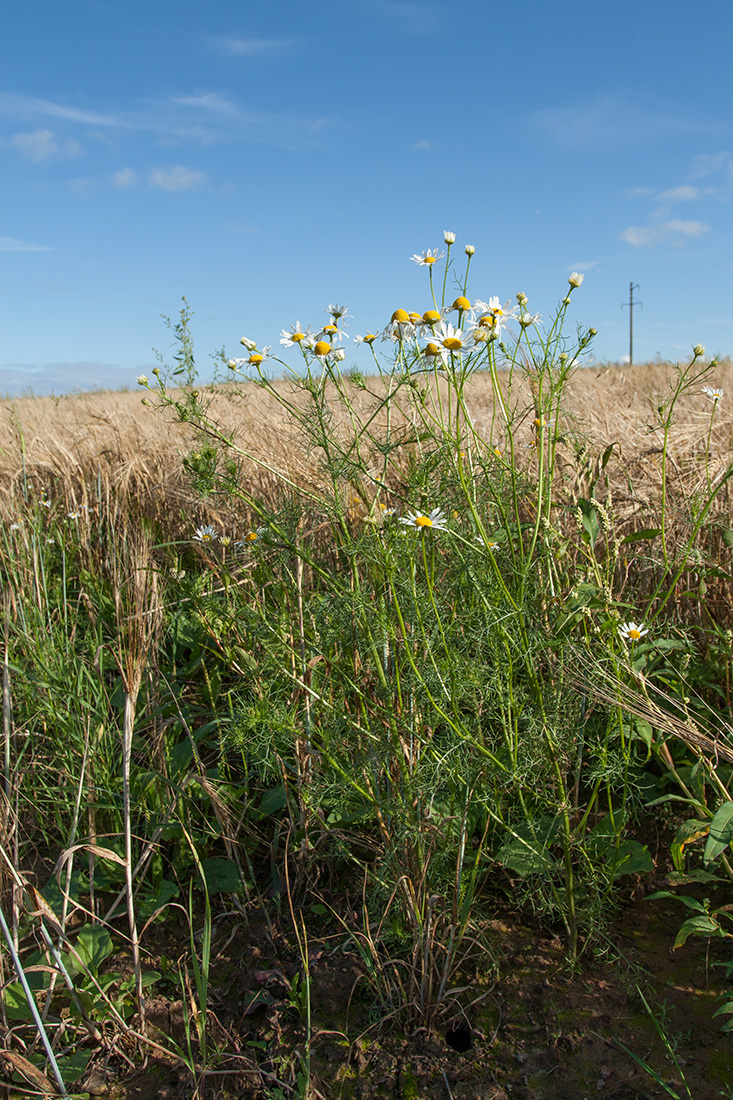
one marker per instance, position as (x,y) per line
(674,232)
(175,178)
(10,244)
(24,106)
(124,179)
(612,120)
(423,145)
(685,193)
(580,266)
(255,47)
(207,101)
(44,145)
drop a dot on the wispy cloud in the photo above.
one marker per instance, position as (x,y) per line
(23,106)
(204,117)
(685,193)
(124,179)
(235,46)
(176,178)
(11,244)
(423,145)
(60,378)
(609,121)
(40,146)
(580,266)
(675,232)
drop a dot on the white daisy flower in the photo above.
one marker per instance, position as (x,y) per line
(295,335)
(72,515)
(453,339)
(205,534)
(427,259)
(367,338)
(337,311)
(436,520)
(250,345)
(576,278)
(435,353)
(258,356)
(400,327)
(527,319)
(448,237)
(713,394)
(632,632)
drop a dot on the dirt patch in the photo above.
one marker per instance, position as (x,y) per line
(522,1025)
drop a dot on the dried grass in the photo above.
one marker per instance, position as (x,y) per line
(81,447)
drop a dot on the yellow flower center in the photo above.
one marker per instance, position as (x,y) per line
(256,358)
(322,348)
(634,635)
(251,536)
(431,317)
(430,259)
(297,337)
(423,521)
(432,349)
(487,321)
(452,343)
(461,303)
(540,421)
(369,338)
(401,317)
(415,318)
(330,328)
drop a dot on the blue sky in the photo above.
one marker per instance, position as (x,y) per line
(266,159)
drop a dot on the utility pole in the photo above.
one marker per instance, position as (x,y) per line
(631,303)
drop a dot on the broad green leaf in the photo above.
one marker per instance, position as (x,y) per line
(93,945)
(222,876)
(721,833)
(633,859)
(688,832)
(702,925)
(590,521)
(640,536)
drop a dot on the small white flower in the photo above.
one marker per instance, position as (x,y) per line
(435,520)
(250,345)
(632,632)
(250,538)
(452,339)
(142,379)
(448,237)
(367,338)
(576,278)
(225,540)
(205,534)
(698,350)
(258,356)
(45,503)
(15,527)
(72,515)
(527,319)
(337,311)
(713,394)
(291,338)
(427,259)
(469,250)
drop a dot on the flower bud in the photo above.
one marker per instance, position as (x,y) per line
(142,380)
(470,250)
(576,278)
(698,350)
(448,237)
(250,345)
